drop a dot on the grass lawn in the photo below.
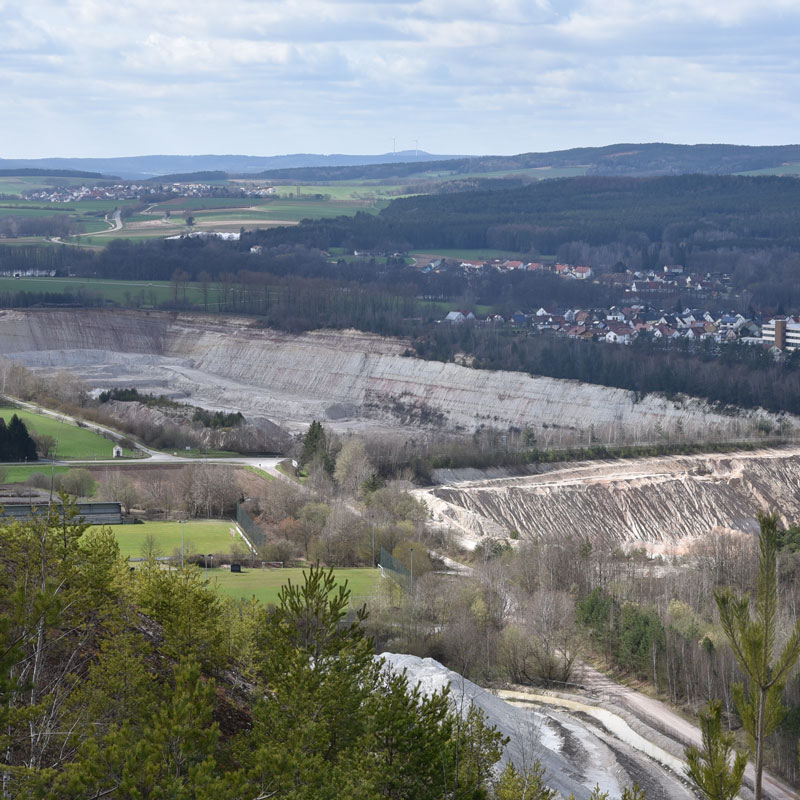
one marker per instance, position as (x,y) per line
(74,443)
(264,584)
(19,474)
(201,536)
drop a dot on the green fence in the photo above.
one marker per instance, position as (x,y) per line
(249,526)
(394,569)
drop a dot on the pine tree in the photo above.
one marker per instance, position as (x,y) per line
(710,769)
(314,443)
(19,444)
(752,640)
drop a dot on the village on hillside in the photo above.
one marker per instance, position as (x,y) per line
(137,191)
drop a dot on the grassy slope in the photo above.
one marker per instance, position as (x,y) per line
(73,442)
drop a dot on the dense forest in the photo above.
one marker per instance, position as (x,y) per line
(697,210)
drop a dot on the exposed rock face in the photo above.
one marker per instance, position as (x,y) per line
(653,500)
(349,378)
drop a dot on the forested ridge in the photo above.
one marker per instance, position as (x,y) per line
(596,210)
(617,159)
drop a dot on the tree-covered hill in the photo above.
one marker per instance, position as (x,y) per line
(617,159)
(697,209)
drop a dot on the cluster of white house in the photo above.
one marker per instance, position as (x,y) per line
(130,191)
(635,282)
(623,325)
(580,273)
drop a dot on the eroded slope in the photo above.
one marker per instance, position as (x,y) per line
(649,501)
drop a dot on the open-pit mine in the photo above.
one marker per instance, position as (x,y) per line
(347,379)
(361,382)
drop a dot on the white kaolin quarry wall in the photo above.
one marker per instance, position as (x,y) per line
(349,378)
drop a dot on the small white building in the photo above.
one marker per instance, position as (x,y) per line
(117,451)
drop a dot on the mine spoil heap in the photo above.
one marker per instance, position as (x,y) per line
(659,501)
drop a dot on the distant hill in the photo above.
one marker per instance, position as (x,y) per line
(618,159)
(50,173)
(205,176)
(144,167)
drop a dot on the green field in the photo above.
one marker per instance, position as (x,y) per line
(264,584)
(783,169)
(74,443)
(213,536)
(19,474)
(201,536)
(149,293)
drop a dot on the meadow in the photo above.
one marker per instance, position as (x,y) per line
(200,536)
(20,473)
(73,443)
(265,584)
(214,536)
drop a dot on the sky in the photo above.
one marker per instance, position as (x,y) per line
(105,78)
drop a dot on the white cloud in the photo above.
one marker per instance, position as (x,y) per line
(347,75)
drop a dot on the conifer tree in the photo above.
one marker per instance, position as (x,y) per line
(753,641)
(710,769)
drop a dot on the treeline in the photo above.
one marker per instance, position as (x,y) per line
(217,419)
(617,159)
(25,299)
(16,444)
(51,173)
(56,225)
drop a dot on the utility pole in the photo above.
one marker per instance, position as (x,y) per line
(372,522)
(183,547)
(411,550)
